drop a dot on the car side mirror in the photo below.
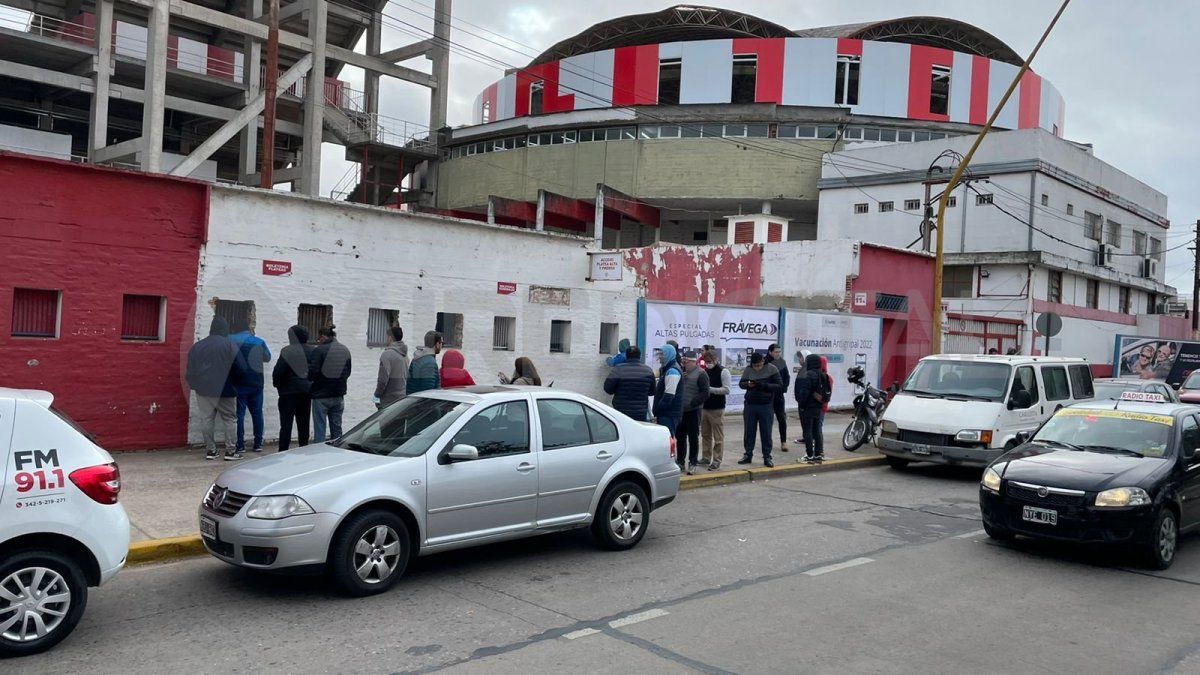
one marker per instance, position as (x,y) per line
(463,453)
(1022,437)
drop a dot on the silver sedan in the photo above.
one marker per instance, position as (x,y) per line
(437,471)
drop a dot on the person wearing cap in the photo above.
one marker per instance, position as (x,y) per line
(761,382)
(695,392)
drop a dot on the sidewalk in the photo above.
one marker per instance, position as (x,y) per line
(162,489)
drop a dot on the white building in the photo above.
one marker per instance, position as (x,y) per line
(1042,225)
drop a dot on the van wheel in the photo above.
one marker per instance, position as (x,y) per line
(1159,549)
(369,553)
(622,517)
(42,597)
(897,463)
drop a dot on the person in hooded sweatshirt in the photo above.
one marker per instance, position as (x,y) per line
(453,373)
(524,374)
(423,371)
(328,370)
(812,393)
(290,378)
(255,352)
(392,382)
(214,369)
(668,398)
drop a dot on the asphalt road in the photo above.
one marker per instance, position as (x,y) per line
(865,571)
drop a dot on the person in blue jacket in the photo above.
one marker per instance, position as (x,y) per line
(668,399)
(618,358)
(255,353)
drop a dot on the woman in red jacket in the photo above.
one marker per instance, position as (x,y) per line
(453,373)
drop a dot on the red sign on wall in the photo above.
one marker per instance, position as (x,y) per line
(506,287)
(276,268)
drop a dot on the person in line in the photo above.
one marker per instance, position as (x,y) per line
(712,419)
(631,384)
(290,378)
(828,397)
(812,392)
(214,369)
(668,399)
(761,382)
(618,358)
(328,370)
(423,371)
(524,373)
(992,351)
(1012,351)
(392,380)
(453,373)
(775,358)
(695,388)
(250,392)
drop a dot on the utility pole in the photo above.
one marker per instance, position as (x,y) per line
(962,167)
(1196,282)
(927,221)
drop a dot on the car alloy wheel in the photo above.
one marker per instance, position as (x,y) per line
(625,516)
(1167,536)
(34,601)
(377,554)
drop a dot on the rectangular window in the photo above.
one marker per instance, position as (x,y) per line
(142,317)
(887,135)
(758,131)
(983,200)
(1151,304)
(587,135)
(609,337)
(870,134)
(314,318)
(504,332)
(1093,294)
(904,136)
(560,337)
(734,131)
(1070,209)
(241,312)
(845,90)
(1091,225)
(1124,297)
(36,312)
(668,131)
(1139,243)
(450,325)
(536,96)
(1081,382)
(886,302)
(647,131)
(1045,199)
(887,207)
(379,325)
(912,204)
(669,71)
(952,202)
(852,133)
(958,282)
(745,77)
(1054,287)
(939,92)
(1025,380)
(1114,234)
(806,132)
(1055,380)
(1156,248)
(862,208)
(920,136)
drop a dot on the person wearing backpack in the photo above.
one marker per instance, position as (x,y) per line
(812,393)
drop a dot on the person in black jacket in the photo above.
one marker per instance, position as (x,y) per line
(328,370)
(761,382)
(812,393)
(290,378)
(631,384)
(214,369)
(775,358)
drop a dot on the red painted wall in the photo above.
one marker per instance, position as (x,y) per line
(1030,112)
(920,83)
(907,336)
(635,75)
(981,74)
(732,274)
(768,85)
(97,234)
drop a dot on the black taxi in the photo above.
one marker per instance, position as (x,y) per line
(1121,472)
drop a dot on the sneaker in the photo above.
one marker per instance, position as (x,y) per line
(783,447)
(744,460)
(211,455)
(234,457)
(799,441)
(256,450)
(819,458)
(691,469)
(715,466)
(809,460)
(769,464)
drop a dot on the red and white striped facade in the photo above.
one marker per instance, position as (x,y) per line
(894,81)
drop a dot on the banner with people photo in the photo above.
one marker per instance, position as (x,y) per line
(845,340)
(734,333)
(1155,358)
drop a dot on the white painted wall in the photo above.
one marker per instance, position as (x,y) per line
(706,72)
(808,274)
(356,258)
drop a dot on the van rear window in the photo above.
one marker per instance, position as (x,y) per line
(1081,382)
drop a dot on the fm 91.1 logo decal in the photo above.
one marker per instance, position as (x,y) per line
(38,470)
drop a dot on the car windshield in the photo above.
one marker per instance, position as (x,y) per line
(1193,381)
(1113,389)
(404,429)
(1109,431)
(963,379)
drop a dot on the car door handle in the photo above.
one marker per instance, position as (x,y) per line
(525,467)
(603,455)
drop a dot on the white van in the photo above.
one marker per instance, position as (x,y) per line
(968,409)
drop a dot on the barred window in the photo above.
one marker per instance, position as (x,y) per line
(35,312)
(504,331)
(560,337)
(379,325)
(142,317)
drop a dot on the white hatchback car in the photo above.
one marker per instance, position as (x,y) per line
(61,528)
(440,470)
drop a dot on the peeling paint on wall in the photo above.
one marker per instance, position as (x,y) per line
(728,275)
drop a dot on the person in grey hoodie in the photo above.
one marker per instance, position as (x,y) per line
(392,382)
(695,392)
(423,372)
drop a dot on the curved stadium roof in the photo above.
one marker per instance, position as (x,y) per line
(688,22)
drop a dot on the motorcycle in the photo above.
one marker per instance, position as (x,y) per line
(868,411)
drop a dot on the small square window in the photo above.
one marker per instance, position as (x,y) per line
(1070,209)
(887,207)
(36,312)
(827,132)
(853,134)
(983,200)
(806,132)
(668,131)
(142,318)
(560,337)
(904,136)
(504,333)
(952,202)
(888,135)
(451,327)
(609,337)
(239,313)
(1045,199)
(586,135)
(758,130)
(912,204)
(314,318)
(870,134)
(379,325)
(862,208)
(648,131)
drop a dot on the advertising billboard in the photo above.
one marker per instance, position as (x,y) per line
(1155,358)
(845,340)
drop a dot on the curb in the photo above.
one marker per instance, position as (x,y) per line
(179,548)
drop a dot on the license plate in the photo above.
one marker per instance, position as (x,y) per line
(920,449)
(1041,516)
(208,527)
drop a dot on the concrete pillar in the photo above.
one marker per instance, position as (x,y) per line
(248,138)
(440,55)
(374,45)
(155,86)
(98,118)
(314,102)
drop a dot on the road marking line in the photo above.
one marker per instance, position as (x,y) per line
(581,633)
(636,618)
(838,566)
(970,535)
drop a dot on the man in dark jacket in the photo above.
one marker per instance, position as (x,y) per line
(761,382)
(695,388)
(775,358)
(328,371)
(423,372)
(290,378)
(812,393)
(250,392)
(214,369)
(631,384)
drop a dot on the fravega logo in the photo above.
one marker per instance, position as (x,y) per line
(743,328)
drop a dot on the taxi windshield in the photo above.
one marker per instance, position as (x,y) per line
(959,379)
(1108,431)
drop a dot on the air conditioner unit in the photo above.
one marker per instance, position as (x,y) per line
(1104,255)
(1149,267)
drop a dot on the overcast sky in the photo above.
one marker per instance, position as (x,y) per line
(1129,71)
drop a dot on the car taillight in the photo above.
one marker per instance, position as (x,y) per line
(672,447)
(102,483)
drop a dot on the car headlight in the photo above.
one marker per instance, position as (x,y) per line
(277,506)
(991,480)
(1122,497)
(974,436)
(889,427)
